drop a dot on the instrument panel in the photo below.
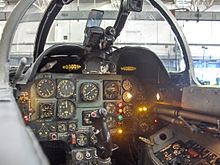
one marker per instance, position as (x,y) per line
(58,106)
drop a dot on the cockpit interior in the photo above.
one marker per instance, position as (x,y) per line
(99,102)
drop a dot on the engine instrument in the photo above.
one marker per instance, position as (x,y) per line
(127,85)
(65,88)
(82,139)
(89,91)
(127,97)
(66,109)
(110,107)
(46,110)
(112,90)
(46,88)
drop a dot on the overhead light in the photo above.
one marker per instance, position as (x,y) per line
(2,3)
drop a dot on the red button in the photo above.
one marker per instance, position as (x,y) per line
(192,153)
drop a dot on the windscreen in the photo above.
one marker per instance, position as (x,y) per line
(146,29)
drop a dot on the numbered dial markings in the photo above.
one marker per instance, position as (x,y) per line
(110,107)
(112,90)
(46,88)
(127,85)
(82,139)
(66,88)
(46,110)
(89,92)
(66,109)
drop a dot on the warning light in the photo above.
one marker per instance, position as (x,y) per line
(120,117)
(155,121)
(158,97)
(140,109)
(120,105)
(144,108)
(26,120)
(120,111)
(120,131)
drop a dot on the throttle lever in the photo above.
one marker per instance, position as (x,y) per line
(104,144)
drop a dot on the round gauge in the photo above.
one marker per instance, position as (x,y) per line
(89,91)
(72,127)
(46,88)
(46,110)
(94,139)
(82,139)
(128,111)
(52,127)
(127,85)
(111,122)
(65,88)
(110,107)
(127,96)
(111,91)
(62,127)
(66,109)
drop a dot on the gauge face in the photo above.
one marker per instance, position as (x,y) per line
(111,122)
(65,88)
(111,90)
(62,127)
(128,110)
(127,97)
(46,88)
(94,139)
(72,127)
(110,107)
(89,92)
(127,85)
(82,139)
(66,109)
(46,110)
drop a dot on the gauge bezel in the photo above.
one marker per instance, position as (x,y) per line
(115,107)
(106,85)
(83,96)
(59,92)
(40,110)
(52,94)
(125,87)
(87,139)
(58,112)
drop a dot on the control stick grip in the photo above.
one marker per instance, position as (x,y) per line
(104,144)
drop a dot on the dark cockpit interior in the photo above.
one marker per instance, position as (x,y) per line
(95,103)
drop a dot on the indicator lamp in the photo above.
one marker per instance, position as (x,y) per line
(120,131)
(144,108)
(158,97)
(120,105)
(26,120)
(120,111)
(140,109)
(120,117)
(155,121)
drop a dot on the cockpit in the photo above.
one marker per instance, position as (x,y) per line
(94,87)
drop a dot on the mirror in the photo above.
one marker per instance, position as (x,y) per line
(94,18)
(133,5)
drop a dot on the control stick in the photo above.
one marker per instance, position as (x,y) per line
(104,144)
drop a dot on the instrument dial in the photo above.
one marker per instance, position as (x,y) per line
(46,88)
(128,111)
(65,88)
(111,90)
(72,127)
(46,110)
(66,109)
(110,107)
(62,127)
(127,85)
(82,139)
(89,92)
(127,97)
(111,122)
